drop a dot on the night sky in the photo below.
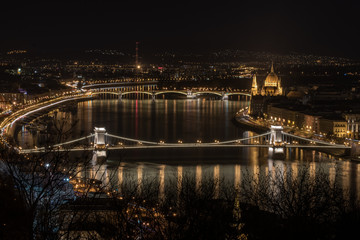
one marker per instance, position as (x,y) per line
(317,27)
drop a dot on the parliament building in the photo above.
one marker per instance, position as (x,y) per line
(271,86)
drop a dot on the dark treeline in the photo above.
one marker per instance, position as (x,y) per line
(43,197)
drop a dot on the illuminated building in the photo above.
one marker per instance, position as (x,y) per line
(353,124)
(271,87)
(272,84)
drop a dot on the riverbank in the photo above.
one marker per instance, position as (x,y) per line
(242,119)
(19,115)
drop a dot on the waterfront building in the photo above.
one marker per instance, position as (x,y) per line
(260,94)
(309,121)
(334,125)
(271,87)
(286,116)
(258,105)
(7,99)
(353,124)
(272,84)
(312,122)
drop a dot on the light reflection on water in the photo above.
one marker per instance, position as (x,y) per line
(188,120)
(231,173)
(168,120)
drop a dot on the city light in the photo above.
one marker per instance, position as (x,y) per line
(141,140)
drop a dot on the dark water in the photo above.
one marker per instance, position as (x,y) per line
(189,121)
(167,120)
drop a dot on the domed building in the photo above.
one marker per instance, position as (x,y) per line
(271,86)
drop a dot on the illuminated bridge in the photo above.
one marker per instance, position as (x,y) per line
(120,92)
(276,140)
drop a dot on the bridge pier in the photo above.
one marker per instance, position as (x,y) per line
(120,96)
(224,96)
(190,95)
(153,96)
(98,157)
(354,151)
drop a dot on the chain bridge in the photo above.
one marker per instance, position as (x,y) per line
(100,141)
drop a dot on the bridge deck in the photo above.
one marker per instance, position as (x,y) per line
(265,140)
(174,146)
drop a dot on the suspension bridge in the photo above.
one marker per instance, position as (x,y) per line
(101,141)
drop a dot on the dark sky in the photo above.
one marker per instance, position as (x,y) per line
(319,27)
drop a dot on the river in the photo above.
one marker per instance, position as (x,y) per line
(188,120)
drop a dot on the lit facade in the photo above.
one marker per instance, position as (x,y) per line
(336,127)
(271,87)
(353,125)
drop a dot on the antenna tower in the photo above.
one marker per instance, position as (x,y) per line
(136,60)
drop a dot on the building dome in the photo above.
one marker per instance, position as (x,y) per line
(271,80)
(272,84)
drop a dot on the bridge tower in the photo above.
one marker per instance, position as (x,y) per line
(277,151)
(99,138)
(276,135)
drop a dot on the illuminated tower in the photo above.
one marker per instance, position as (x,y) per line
(254,87)
(279,89)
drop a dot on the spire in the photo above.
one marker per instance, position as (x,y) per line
(254,82)
(272,67)
(254,88)
(279,88)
